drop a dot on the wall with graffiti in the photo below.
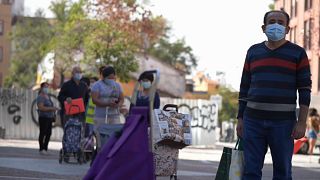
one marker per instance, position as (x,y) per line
(19,117)
(204,118)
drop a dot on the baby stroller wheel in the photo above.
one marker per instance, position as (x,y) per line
(60,156)
(66,158)
(80,157)
(174,177)
(94,154)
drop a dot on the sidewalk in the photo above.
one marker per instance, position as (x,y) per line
(212,153)
(23,155)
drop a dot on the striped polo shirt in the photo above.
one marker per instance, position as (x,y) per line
(270,82)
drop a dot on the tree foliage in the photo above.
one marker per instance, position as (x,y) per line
(29,39)
(229,104)
(177,54)
(91,33)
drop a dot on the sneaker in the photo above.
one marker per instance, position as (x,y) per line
(46,152)
(41,152)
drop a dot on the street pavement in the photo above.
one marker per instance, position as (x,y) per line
(20,159)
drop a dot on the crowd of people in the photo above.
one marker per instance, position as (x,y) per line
(102,97)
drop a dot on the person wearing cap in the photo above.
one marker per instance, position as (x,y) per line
(107,95)
(146,80)
(46,112)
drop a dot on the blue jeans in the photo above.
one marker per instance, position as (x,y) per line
(257,136)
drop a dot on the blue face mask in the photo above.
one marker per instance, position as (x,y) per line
(146,84)
(275,32)
(45,90)
(77,76)
(108,81)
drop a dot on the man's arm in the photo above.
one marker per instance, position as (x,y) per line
(86,97)
(304,89)
(244,88)
(62,94)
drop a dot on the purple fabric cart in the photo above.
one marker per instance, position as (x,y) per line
(128,156)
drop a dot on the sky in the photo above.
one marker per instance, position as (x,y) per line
(219,32)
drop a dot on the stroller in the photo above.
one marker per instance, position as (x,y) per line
(72,140)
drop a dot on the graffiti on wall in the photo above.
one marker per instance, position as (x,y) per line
(8,96)
(204,117)
(13,100)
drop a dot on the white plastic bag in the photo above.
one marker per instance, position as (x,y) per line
(236,165)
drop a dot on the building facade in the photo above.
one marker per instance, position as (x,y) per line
(305,30)
(8,9)
(5,28)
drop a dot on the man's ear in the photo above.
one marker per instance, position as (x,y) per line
(287,29)
(263,27)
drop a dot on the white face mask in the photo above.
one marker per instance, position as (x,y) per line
(146,84)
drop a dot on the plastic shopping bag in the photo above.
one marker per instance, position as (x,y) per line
(231,163)
(236,164)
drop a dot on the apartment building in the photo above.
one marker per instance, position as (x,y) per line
(8,9)
(305,30)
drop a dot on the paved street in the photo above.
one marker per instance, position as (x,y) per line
(21,160)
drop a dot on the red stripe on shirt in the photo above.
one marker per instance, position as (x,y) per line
(273,62)
(246,67)
(303,63)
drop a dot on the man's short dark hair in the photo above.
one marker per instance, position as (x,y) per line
(147,75)
(107,71)
(43,84)
(274,11)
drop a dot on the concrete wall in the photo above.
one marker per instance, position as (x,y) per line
(18,116)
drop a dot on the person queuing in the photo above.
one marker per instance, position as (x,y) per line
(274,70)
(107,95)
(73,89)
(46,112)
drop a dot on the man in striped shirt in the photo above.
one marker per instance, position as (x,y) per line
(273,73)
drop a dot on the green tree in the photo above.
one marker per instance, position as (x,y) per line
(125,28)
(177,53)
(271,6)
(229,108)
(70,29)
(29,38)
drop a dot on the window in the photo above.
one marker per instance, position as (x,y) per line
(293,11)
(293,34)
(307,35)
(319,74)
(1,54)
(1,27)
(0,79)
(8,2)
(307,4)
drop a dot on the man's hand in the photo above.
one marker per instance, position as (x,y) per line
(113,104)
(299,130)
(69,100)
(240,127)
